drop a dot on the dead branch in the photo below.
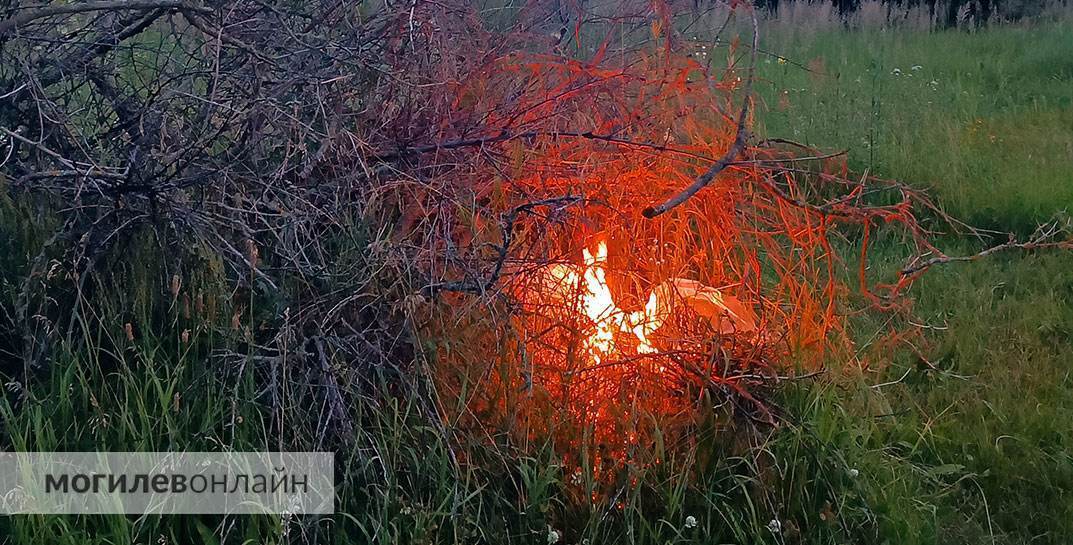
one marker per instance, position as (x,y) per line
(11,24)
(482,287)
(1043,238)
(741,136)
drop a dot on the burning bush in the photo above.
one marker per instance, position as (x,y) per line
(625,243)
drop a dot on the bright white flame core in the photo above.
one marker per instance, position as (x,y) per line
(599,306)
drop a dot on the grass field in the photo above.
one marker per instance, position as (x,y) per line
(969,440)
(977,450)
(983,119)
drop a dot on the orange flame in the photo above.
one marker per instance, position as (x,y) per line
(588,282)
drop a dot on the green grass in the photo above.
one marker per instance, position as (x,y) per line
(985,120)
(975,446)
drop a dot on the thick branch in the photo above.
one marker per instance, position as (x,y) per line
(78,59)
(736,148)
(507,136)
(704,179)
(9,25)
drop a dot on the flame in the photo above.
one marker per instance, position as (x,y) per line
(598,304)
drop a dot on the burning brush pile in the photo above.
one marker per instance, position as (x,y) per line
(566,204)
(623,243)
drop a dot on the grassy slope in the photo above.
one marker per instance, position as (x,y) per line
(985,121)
(980,447)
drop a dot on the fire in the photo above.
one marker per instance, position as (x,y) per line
(599,305)
(595,299)
(592,364)
(586,285)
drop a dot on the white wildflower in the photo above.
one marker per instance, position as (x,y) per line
(775,526)
(691,522)
(576,477)
(553,536)
(853,473)
(896,72)
(916,67)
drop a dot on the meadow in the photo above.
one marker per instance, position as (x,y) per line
(962,437)
(983,120)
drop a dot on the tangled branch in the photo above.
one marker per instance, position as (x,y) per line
(337,161)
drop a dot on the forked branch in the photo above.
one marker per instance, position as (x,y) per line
(1044,238)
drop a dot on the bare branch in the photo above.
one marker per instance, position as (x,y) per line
(11,24)
(503,250)
(1044,238)
(736,148)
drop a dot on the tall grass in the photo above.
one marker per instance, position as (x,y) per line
(983,119)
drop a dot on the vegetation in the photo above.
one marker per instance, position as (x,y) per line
(969,116)
(960,435)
